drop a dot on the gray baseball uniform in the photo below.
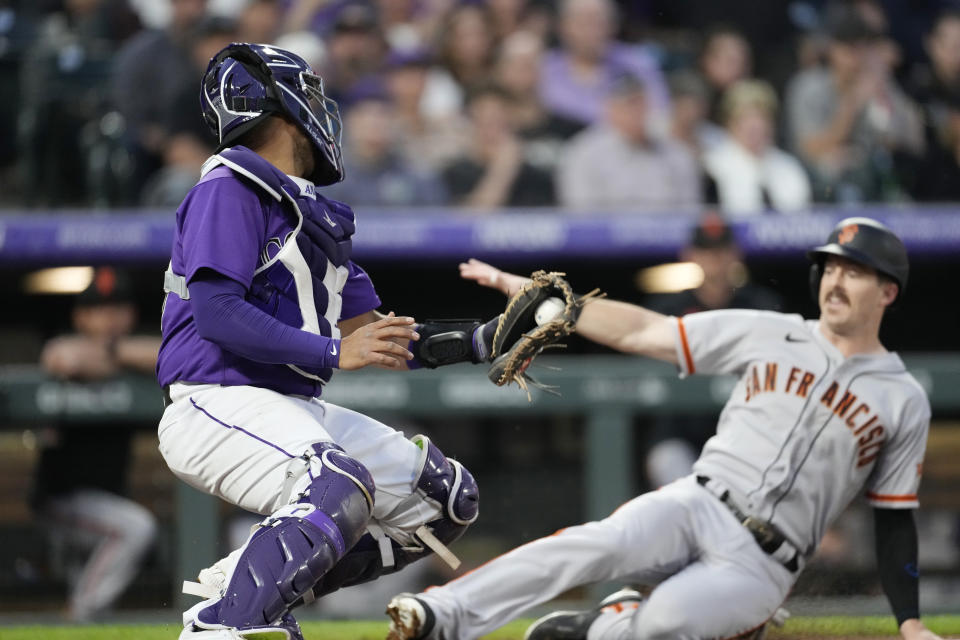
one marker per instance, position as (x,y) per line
(805,430)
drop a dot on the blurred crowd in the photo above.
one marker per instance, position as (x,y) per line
(588,105)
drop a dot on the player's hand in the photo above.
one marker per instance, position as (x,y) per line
(379,343)
(78,357)
(489,276)
(913,629)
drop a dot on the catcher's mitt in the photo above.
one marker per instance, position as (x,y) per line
(518,339)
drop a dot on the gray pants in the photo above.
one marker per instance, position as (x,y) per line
(680,538)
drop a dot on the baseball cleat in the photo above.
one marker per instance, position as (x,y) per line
(286,628)
(573,625)
(410,618)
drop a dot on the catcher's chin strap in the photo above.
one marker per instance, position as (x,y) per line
(445,342)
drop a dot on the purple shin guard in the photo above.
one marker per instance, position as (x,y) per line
(296,546)
(449,483)
(442,481)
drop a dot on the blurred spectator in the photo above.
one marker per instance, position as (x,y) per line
(936,86)
(689,100)
(398,21)
(355,52)
(938,175)
(675,441)
(259,21)
(747,174)
(725,60)
(885,48)
(148,74)
(493,173)
(425,140)
(307,45)
(768,25)
(188,142)
(17,31)
(851,123)
(517,70)
(409,24)
(506,16)
(79,480)
(510,16)
(377,174)
(617,164)
(65,73)
(576,78)
(316,16)
(465,55)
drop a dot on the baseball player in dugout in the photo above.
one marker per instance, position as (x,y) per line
(80,491)
(263,303)
(822,412)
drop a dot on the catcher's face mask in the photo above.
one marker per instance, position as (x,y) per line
(247,81)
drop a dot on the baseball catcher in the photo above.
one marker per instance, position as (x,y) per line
(264,302)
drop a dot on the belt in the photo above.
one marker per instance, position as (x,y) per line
(768,536)
(166,397)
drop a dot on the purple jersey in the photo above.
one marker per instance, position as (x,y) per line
(287,245)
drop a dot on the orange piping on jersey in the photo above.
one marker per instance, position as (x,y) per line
(887,498)
(686,347)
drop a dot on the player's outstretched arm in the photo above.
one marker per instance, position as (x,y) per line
(629,328)
(489,276)
(618,325)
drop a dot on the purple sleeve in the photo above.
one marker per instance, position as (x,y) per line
(224,317)
(358,294)
(223,228)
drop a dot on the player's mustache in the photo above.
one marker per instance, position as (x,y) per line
(840,294)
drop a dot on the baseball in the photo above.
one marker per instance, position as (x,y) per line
(548,310)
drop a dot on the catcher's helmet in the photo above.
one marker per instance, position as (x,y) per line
(866,241)
(246,82)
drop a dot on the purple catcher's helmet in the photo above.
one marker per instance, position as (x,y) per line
(246,82)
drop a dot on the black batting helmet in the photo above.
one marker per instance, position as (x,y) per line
(868,242)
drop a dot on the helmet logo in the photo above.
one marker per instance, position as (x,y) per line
(847,234)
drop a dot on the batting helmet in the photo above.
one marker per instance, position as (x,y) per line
(866,241)
(244,83)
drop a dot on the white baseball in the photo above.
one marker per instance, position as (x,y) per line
(548,310)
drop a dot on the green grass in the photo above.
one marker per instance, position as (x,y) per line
(826,626)
(820,627)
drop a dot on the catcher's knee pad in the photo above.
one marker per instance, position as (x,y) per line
(443,483)
(295,546)
(447,483)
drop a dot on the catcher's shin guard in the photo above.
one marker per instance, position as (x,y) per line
(444,483)
(294,547)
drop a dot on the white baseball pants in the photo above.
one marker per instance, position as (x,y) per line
(238,442)
(713,579)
